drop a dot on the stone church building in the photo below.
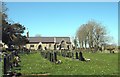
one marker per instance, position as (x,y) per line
(49,43)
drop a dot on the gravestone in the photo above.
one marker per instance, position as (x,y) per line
(0,59)
(70,54)
(55,56)
(77,55)
(67,54)
(73,55)
(5,65)
(46,54)
(42,53)
(81,58)
(52,58)
(63,53)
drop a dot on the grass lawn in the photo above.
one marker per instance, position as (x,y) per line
(100,64)
(0,69)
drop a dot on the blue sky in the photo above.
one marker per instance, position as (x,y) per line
(63,18)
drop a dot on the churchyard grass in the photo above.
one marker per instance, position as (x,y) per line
(1,69)
(100,64)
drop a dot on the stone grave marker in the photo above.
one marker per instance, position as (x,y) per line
(77,55)
(55,56)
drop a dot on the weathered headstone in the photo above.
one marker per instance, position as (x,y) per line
(52,58)
(46,54)
(70,55)
(81,56)
(5,65)
(62,53)
(55,56)
(73,55)
(67,54)
(77,55)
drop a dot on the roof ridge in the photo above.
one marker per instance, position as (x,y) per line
(49,37)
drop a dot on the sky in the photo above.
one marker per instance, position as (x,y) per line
(60,0)
(63,18)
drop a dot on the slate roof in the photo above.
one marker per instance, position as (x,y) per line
(59,39)
(41,39)
(49,39)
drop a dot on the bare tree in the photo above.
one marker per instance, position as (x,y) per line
(92,34)
(99,35)
(75,42)
(90,29)
(80,36)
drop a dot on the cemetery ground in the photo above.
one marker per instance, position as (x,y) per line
(100,64)
(1,69)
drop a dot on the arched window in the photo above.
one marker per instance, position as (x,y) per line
(63,44)
(40,47)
